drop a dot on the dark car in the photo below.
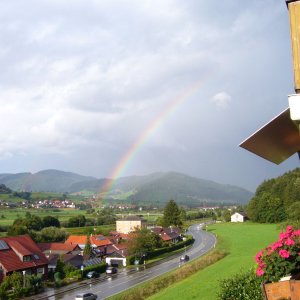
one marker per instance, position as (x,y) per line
(92,274)
(184,258)
(111,270)
(86,296)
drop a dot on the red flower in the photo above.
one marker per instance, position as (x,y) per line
(289,242)
(284,253)
(260,271)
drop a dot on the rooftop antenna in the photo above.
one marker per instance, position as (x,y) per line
(280,138)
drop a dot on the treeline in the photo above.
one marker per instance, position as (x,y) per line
(277,200)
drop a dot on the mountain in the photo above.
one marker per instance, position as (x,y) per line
(43,181)
(156,188)
(161,187)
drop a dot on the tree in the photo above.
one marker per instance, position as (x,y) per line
(49,235)
(227,215)
(34,223)
(293,211)
(88,247)
(172,214)
(143,241)
(4,189)
(59,270)
(17,230)
(77,221)
(50,221)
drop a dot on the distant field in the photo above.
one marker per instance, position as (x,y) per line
(243,241)
(7,216)
(103,229)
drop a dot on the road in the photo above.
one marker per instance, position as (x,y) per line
(126,278)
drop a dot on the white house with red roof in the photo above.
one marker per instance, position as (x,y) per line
(21,254)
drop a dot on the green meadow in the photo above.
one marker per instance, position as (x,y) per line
(242,241)
(7,216)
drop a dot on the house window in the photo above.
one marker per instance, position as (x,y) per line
(26,258)
(40,271)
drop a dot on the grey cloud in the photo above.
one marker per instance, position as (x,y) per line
(86,80)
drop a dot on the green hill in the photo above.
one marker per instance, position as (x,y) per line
(43,181)
(156,188)
(160,187)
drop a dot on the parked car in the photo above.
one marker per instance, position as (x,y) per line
(92,274)
(184,258)
(111,270)
(86,296)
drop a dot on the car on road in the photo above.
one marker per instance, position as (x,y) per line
(93,274)
(86,296)
(111,270)
(184,258)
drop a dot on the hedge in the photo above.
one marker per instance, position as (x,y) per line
(100,268)
(160,251)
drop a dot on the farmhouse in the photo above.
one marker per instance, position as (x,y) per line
(238,217)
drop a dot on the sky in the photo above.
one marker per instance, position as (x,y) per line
(81,82)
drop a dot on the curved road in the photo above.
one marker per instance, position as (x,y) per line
(126,278)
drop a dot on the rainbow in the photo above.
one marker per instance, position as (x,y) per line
(145,134)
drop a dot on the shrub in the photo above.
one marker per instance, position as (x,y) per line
(243,286)
(281,258)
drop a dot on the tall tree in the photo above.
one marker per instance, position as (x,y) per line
(88,247)
(143,241)
(172,214)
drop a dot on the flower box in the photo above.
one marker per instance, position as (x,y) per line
(289,289)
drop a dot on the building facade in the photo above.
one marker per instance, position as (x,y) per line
(130,224)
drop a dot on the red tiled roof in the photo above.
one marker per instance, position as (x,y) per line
(165,237)
(57,246)
(97,240)
(100,240)
(117,234)
(76,239)
(18,248)
(24,245)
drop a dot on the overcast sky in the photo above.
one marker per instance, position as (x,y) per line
(81,81)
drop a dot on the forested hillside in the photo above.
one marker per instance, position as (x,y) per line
(276,200)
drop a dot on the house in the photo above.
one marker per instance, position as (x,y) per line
(59,248)
(116,254)
(168,234)
(239,217)
(74,260)
(21,254)
(98,242)
(130,223)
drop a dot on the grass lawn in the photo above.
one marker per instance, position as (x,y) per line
(243,241)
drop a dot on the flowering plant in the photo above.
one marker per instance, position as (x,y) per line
(281,258)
